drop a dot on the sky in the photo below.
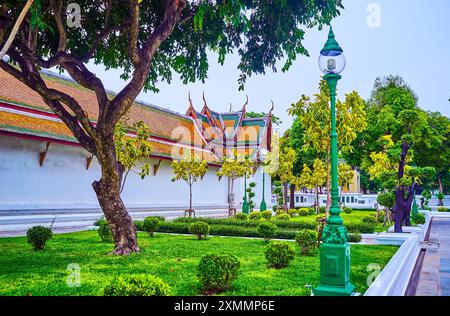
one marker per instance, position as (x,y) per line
(404,37)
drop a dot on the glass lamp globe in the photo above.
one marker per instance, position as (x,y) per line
(331,59)
(332,62)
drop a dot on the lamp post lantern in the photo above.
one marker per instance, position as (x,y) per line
(245,206)
(263,206)
(335,250)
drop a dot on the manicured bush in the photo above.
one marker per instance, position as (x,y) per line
(137,285)
(306,240)
(104,231)
(241,216)
(267,230)
(322,209)
(37,236)
(293,212)
(266,214)
(283,217)
(139,225)
(151,224)
(255,215)
(380,216)
(347,210)
(419,219)
(217,271)
(320,217)
(354,237)
(311,210)
(279,212)
(304,212)
(361,227)
(369,219)
(98,221)
(443,209)
(279,254)
(200,229)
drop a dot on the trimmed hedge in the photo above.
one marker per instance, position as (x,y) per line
(360,227)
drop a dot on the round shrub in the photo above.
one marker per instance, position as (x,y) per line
(151,224)
(283,217)
(419,219)
(443,209)
(311,210)
(322,209)
(369,219)
(38,236)
(104,231)
(241,216)
(255,215)
(347,210)
(139,225)
(98,221)
(293,212)
(262,220)
(304,212)
(320,217)
(266,214)
(267,230)
(279,212)
(200,229)
(354,237)
(137,285)
(279,254)
(306,240)
(217,271)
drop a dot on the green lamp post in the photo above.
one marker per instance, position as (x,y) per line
(335,250)
(245,206)
(263,206)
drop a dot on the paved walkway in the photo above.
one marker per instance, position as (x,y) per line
(434,277)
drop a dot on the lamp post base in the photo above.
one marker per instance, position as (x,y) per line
(334,270)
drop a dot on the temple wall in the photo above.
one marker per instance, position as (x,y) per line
(63,182)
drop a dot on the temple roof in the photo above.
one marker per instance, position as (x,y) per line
(23,112)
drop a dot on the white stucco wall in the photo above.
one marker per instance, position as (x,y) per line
(64,183)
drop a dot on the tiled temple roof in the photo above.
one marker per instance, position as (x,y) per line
(23,112)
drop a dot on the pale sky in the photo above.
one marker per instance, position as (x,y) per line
(411,41)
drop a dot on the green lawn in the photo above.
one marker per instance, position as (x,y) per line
(173,258)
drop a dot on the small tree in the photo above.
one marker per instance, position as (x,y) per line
(190,170)
(251,195)
(345,177)
(131,150)
(314,179)
(386,199)
(234,167)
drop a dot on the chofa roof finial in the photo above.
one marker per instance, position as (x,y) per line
(271,109)
(245,104)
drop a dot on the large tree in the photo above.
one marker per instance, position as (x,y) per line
(149,40)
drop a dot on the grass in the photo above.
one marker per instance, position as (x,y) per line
(24,271)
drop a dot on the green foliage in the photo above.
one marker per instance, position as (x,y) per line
(279,254)
(283,217)
(266,214)
(255,215)
(139,225)
(131,150)
(369,219)
(37,236)
(200,229)
(99,220)
(267,230)
(236,166)
(293,212)
(137,285)
(251,195)
(279,212)
(104,231)
(151,224)
(386,199)
(443,209)
(241,216)
(306,240)
(355,237)
(217,271)
(419,219)
(322,209)
(347,210)
(304,211)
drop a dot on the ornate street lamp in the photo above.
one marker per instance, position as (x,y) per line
(245,206)
(263,206)
(335,250)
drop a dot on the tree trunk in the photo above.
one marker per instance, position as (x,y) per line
(190,197)
(441,190)
(285,195)
(292,197)
(400,203)
(108,194)
(317,201)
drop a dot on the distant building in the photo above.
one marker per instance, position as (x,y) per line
(42,166)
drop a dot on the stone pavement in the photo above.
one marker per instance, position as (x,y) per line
(434,277)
